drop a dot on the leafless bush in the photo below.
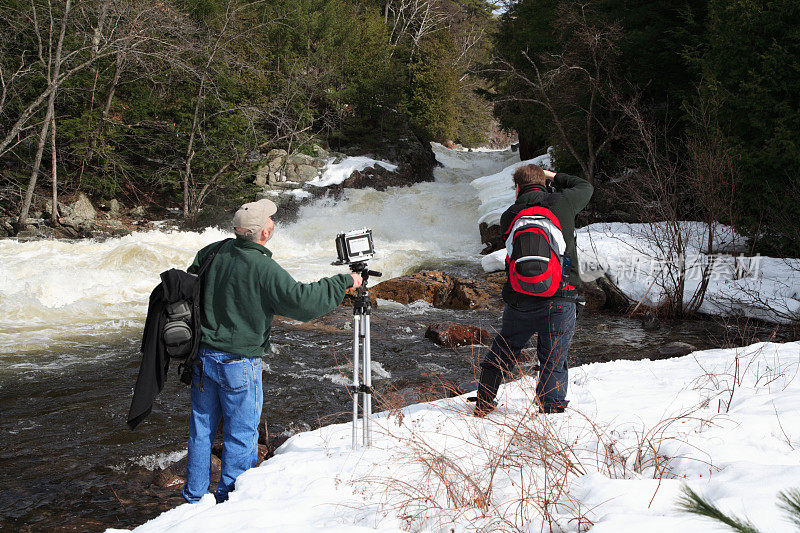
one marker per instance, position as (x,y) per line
(512,471)
(693,179)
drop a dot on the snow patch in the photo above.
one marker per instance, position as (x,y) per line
(336,173)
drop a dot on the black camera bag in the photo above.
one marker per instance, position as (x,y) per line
(181,333)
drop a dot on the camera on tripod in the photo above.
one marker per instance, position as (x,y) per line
(354,246)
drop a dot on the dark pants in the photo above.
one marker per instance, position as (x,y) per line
(554,321)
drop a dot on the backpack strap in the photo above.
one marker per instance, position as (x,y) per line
(185,368)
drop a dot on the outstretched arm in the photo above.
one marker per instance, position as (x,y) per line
(305,301)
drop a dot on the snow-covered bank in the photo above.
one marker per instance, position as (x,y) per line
(496,191)
(766,288)
(724,421)
(642,261)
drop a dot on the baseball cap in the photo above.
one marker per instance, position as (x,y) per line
(253,216)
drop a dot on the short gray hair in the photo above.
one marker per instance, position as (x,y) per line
(248,235)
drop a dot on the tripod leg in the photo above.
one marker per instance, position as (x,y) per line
(368,383)
(356,356)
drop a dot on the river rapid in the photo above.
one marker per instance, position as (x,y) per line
(71,321)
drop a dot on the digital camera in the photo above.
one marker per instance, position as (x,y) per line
(354,247)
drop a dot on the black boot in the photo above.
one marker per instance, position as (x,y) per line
(487,390)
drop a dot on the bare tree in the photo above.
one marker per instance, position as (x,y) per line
(53,69)
(412,20)
(683,190)
(576,86)
(83,35)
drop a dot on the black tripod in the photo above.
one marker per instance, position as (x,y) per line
(362,388)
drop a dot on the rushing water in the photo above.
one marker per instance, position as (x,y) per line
(72,313)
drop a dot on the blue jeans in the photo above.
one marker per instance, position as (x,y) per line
(228,389)
(554,321)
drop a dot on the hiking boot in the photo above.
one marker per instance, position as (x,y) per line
(552,409)
(483,408)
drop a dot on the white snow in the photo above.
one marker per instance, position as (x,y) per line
(336,173)
(635,257)
(496,191)
(725,422)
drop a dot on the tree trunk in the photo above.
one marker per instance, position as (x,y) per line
(26,204)
(98,130)
(187,173)
(54,170)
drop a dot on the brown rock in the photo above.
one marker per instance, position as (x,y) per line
(167,479)
(491,236)
(216,469)
(432,287)
(350,294)
(470,294)
(263,453)
(276,442)
(594,295)
(450,334)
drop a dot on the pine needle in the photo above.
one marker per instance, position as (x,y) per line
(790,504)
(691,502)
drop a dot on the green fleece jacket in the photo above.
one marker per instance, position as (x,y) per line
(245,288)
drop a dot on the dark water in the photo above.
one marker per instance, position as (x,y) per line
(69,463)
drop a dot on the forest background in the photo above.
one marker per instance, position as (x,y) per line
(676,109)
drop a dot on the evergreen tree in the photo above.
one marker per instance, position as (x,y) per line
(751,64)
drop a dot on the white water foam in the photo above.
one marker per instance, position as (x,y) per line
(56,295)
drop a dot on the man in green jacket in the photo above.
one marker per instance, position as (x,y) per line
(551,316)
(244,288)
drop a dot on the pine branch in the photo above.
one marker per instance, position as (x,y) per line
(790,504)
(691,502)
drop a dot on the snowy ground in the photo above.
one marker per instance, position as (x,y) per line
(638,259)
(725,422)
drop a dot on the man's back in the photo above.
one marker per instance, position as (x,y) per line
(573,195)
(245,288)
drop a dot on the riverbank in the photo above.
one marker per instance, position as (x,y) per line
(719,421)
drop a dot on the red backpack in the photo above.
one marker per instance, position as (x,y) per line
(536,248)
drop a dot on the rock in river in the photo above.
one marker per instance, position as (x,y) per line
(450,334)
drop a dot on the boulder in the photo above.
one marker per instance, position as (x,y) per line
(114,207)
(299,159)
(594,296)
(6,226)
(262,176)
(432,287)
(138,211)
(450,334)
(291,173)
(277,163)
(319,151)
(83,208)
(470,294)
(275,153)
(491,236)
(440,290)
(676,349)
(168,479)
(63,209)
(306,173)
(615,298)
